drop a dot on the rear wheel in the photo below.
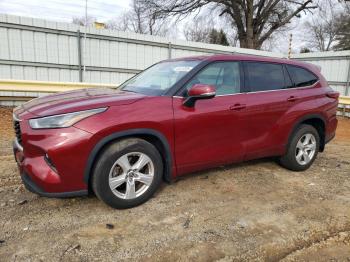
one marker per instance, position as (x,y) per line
(302,149)
(127,173)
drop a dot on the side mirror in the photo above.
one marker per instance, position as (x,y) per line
(199,91)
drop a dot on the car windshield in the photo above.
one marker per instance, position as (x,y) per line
(158,79)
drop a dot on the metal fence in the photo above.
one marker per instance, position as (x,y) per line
(35,49)
(40,50)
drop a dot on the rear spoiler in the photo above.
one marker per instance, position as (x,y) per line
(319,68)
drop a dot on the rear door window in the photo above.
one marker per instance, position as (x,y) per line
(301,77)
(262,76)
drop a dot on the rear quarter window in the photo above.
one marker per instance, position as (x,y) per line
(301,77)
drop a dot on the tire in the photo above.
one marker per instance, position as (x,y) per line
(133,161)
(295,158)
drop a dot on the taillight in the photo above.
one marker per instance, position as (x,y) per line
(333,94)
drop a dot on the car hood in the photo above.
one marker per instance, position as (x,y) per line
(77,100)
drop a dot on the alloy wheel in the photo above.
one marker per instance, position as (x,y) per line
(305,149)
(131,175)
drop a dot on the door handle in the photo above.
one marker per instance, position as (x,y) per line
(292,99)
(238,107)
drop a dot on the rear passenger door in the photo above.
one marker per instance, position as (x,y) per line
(271,94)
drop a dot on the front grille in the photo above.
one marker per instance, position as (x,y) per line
(17,127)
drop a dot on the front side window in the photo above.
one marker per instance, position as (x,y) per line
(158,79)
(264,76)
(224,76)
(301,77)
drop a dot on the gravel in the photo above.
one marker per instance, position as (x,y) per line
(249,211)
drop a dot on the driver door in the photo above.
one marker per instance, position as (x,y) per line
(211,132)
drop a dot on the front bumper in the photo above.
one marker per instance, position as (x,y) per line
(52,162)
(32,187)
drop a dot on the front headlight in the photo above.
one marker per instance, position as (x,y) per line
(64,120)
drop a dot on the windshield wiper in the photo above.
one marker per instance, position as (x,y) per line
(128,90)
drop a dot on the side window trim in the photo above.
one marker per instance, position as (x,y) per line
(246,77)
(288,76)
(218,76)
(242,72)
(182,91)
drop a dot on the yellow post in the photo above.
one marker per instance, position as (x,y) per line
(290,45)
(99,25)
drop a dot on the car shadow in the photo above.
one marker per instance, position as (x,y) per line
(205,173)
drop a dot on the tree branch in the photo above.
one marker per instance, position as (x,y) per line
(285,20)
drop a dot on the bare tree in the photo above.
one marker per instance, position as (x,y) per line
(81,20)
(231,32)
(139,19)
(199,29)
(204,29)
(322,30)
(120,23)
(343,27)
(254,20)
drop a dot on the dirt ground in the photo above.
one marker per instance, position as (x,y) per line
(250,211)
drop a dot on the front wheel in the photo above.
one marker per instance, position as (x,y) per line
(302,149)
(127,173)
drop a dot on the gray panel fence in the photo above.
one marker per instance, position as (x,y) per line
(36,49)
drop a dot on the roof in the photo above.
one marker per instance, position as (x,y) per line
(243,57)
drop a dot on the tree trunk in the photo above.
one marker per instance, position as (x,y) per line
(249,42)
(249,38)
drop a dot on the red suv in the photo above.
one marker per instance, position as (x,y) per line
(176,117)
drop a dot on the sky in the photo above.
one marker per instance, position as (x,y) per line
(64,10)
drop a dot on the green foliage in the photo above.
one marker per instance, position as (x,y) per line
(218,37)
(305,50)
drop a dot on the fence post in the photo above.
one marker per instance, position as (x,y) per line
(79,57)
(347,87)
(290,45)
(169,50)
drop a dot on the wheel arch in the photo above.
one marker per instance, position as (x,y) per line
(150,135)
(315,120)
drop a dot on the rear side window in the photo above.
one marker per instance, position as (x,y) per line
(264,76)
(301,77)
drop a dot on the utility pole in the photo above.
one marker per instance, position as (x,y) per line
(290,45)
(86,18)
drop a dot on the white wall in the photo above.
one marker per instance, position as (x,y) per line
(35,49)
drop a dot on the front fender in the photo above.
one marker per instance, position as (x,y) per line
(130,133)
